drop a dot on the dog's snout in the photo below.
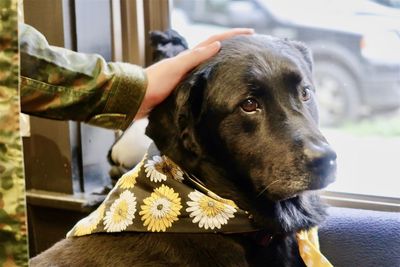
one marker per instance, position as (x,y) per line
(318,153)
(321,162)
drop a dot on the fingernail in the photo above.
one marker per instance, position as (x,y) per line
(215,45)
(210,46)
(246,30)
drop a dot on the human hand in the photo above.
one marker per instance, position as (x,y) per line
(164,75)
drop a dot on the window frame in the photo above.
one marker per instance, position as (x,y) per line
(360,201)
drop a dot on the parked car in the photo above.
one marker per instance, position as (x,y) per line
(355,45)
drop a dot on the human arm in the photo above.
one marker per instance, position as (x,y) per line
(58,83)
(61,84)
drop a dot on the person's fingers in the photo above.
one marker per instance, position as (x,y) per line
(171,70)
(208,48)
(193,57)
(225,35)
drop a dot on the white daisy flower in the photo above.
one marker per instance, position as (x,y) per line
(208,212)
(121,213)
(160,208)
(153,169)
(223,200)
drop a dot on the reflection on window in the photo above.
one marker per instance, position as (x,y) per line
(356,67)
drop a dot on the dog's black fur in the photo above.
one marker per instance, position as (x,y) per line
(270,161)
(167,44)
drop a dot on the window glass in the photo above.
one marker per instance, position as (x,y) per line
(356,48)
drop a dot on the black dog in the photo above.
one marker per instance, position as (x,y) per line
(245,123)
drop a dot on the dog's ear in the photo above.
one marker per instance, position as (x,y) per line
(190,107)
(305,51)
(174,120)
(161,126)
(166,44)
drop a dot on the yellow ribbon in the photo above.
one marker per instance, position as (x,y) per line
(309,249)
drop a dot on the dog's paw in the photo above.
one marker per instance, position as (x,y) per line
(130,148)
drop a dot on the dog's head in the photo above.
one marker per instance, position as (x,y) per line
(250,113)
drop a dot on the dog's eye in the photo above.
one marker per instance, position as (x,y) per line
(250,105)
(305,93)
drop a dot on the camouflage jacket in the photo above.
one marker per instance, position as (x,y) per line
(13,234)
(58,83)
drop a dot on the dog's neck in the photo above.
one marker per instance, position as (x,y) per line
(277,217)
(291,215)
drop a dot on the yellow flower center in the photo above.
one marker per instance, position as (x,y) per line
(167,167)
(210,207)
(162,167)
(121,211)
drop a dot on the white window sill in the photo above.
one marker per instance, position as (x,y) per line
(358,201)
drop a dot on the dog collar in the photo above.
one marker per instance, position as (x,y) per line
(158,196)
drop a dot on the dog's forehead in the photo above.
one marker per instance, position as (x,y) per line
(259,59)
(265,53)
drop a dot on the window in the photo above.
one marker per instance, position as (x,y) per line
(356,70)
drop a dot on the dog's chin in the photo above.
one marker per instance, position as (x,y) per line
(282,196)
(322,183)
(318,183)
(287,196)
(315,184)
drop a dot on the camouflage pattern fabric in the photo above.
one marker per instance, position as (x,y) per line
(13,234)
(58,83)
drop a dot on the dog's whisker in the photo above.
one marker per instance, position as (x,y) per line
(268,186)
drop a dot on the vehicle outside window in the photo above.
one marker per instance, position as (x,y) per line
(356,54)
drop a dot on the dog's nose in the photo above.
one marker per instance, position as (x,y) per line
(321,162)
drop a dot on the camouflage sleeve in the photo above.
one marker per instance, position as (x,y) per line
(13,232)
(58,83)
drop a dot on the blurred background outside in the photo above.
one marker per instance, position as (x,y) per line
(356,49)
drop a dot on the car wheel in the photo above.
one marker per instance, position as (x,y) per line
(337,94)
